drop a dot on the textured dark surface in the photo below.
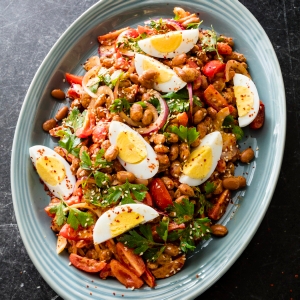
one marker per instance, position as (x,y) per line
(270,265)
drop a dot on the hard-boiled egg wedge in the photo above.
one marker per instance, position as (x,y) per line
(53,170)
(121,218)
(170,44)
(203,160)
(135,154)
(247,99)
(167,81)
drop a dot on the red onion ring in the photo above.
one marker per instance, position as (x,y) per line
(190,91)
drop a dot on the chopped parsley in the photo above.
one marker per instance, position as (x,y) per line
(236,130)
(120,104)
(187,135)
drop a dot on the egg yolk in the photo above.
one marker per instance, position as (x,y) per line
(164,74)
(166,43)
(244,100)
(199,163)
(131,148)
(51,170)
(125,221)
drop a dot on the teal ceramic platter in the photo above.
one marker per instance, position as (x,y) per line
(212,258)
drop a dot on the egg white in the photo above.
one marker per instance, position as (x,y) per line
(189,39)
(102,232)
(174,84)
(66,186)
(213,141)
(242,80)
(145,169)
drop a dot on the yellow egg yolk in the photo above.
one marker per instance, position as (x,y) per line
(166,43)
(164,74)
(125,221)
(50,169)
(131,148)
(199,163)
(244,100)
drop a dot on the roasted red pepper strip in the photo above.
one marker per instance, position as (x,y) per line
(219,208)
(69,233)
(86,264)
(212,68)
(74,79)
(124,275)
(224,49)
(214,99)
(160,194)
(258,122)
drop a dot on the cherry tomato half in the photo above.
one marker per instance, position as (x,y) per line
(69,233)
(74,79)
(258,122)
(213,67)
(160,194)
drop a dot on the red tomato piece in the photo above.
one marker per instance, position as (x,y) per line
(88,125)
(100,132)
(214,99)
(105,272)
(74,91)
(128,257)
(74,79)
(69,233)
(183,118)
(213,67)
(259,120)
(86,264)
(124,275)
(160,194)
(145,29)
(53,202)
(224,49)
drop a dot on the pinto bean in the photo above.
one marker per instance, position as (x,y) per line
(122,176)
(202,129)
(163,159)
(196,142)
(75,165)
(161,149)
(159,139)
(147,117)
(148,77)
(141,181)
(247,155)
(134,78)
(185,189)
(184,151)
(169,183)
(105,144)
(172,249)
(136,112)
(111,153)
(187,74)
(49,124)
(58,94)
(179,59)
(211,112)
(62,113)
(85,99)
(82,173)
(172,138)
(218,230)
(175,169)
(199,115)
(117,167)
(174,151)
(234,182)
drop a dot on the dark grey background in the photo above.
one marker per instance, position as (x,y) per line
(269,268)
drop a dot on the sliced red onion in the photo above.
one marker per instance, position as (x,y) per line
(119,40)
(160,121)
(190,91)
(87,77)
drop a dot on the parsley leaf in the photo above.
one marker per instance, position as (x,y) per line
(85,161)
(209,42)
(120,104)
(123,192)
(155,102)
(69,141)
(209,187)
(59,212)
(77,217)
(75,119)
(183,211)
(162,229)
(236,130)
(187,135)
(136,241)
(101,162)
(101,179)
(181,94)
